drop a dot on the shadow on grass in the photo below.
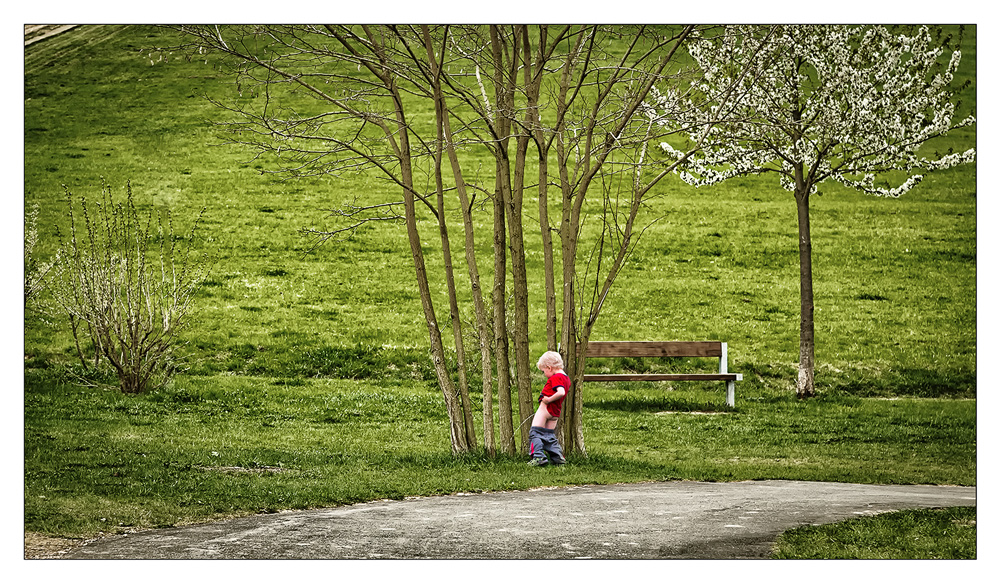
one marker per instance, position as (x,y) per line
(582,469)
(909,382)
(631,402)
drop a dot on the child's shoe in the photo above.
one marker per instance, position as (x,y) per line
(538,462)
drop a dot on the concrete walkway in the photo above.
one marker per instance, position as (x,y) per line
(36,32)
(736,520)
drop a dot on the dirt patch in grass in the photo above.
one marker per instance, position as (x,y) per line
(691,413)
(40,546)
(242,470)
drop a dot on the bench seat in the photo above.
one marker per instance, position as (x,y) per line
(610,378)
(645,349)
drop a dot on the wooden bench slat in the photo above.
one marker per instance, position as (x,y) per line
(663,377)
(709,349)
(607,349)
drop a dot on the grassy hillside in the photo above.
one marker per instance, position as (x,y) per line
(895,279)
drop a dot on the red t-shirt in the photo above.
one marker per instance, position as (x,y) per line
(555,381)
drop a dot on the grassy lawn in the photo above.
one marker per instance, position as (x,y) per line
(309,383)
(99,461)
(948,533)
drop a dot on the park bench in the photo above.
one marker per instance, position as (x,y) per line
(665,349)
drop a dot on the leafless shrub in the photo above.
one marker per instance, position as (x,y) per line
(130,300)
(35,271)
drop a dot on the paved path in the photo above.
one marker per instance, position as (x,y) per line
(36,32)
(628,521)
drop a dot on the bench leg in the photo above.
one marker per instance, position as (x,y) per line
(731,393)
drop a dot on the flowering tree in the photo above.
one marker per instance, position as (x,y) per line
(811,103)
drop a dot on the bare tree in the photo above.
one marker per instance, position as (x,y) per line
(523,97)
(812,103)
(600,143)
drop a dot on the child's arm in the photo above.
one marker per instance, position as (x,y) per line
(559,394)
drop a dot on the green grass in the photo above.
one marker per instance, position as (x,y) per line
(309,382)
(895,279)
(100,461)
(940,533)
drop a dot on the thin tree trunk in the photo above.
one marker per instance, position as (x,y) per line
(572,423)
(551,322)
(482,322)
(454,314)
(522,356)
(571,418)
(804,387)
(512,195)
(532,121)
(573,404)
(807,342)
(456,321)
(459,443)
(513,210)
(500,343)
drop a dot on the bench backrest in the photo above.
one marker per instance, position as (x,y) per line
(657,349)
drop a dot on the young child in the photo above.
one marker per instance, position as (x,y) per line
(544,445)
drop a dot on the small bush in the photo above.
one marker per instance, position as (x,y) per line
(35,271)
(131,301)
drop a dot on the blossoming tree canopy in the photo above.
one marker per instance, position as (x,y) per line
(813,102)
(844,102)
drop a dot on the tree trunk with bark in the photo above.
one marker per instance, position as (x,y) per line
(807,341)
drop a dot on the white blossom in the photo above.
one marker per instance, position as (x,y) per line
(843,102)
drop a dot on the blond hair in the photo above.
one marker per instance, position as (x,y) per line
(551,360)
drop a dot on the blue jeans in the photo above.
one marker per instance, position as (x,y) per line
(544,443)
